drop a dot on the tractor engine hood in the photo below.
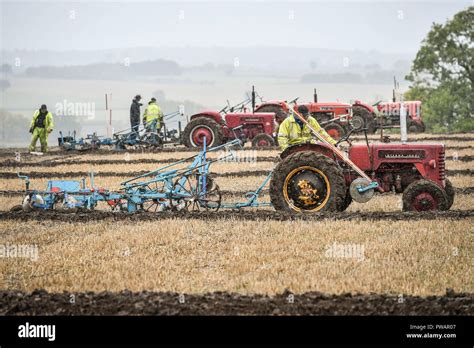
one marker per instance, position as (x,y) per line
(424,156)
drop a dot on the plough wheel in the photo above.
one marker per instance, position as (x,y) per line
(307,182)
(189,194)
(154,205)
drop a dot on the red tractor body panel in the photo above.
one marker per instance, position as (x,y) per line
(428,159)
(366,106)
(336,108)
(216,116)
(253,124)
(279,103)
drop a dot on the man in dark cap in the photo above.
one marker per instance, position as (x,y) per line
(293,131)
(135,116)
(41,126)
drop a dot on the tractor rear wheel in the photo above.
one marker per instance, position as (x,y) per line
(346,203)
(263,139)
(200,128)
(280,114)
(335,130)
(357,122)
(424,195)
(449,189)
(307,182)
(414,127)
(359,111)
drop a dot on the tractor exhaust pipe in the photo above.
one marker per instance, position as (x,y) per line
(253,99)
(315,96)
(403,122)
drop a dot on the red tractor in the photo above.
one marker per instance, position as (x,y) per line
(387,115)
(318,177)
(334,117)
(217,127)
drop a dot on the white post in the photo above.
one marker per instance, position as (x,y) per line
(108,115)
(403,121)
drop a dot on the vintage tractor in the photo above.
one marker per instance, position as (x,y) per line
(383,115)
(387,115)
(391,115)
(320,177)
(217,127)
(336,118)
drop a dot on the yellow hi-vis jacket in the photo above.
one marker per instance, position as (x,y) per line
(290,132)
(48,121)
(153,112)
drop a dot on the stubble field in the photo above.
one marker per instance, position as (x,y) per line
(372,249)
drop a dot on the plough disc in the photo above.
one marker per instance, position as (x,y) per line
(191,194)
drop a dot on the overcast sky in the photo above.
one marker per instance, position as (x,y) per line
(387,26)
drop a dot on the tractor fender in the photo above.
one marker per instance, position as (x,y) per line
(317,147)
(216,116)
(277,103)
(370,108)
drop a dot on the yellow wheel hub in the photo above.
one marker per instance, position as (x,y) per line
(306,189)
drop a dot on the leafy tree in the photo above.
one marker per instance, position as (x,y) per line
(443,74)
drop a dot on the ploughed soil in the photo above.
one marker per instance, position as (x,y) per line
(84,216)
(40,302)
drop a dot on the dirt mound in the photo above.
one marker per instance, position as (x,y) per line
(84,216)
(239,174)
(222,303)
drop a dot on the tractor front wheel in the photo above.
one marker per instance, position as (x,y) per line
(424,195)
(414,127)
(335,130)
(263,139)
(307,182)
(200,128)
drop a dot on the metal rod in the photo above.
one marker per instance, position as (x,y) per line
(333,148)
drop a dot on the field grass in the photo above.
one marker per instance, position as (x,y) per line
(423,257)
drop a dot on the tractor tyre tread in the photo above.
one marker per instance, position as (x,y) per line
(213,125)
(424,185)
(449,189)
(263,136)
(314,159)
(367,116)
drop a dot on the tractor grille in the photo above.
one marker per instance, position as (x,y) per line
(442,166)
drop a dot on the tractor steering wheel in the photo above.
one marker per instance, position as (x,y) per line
(346,137)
